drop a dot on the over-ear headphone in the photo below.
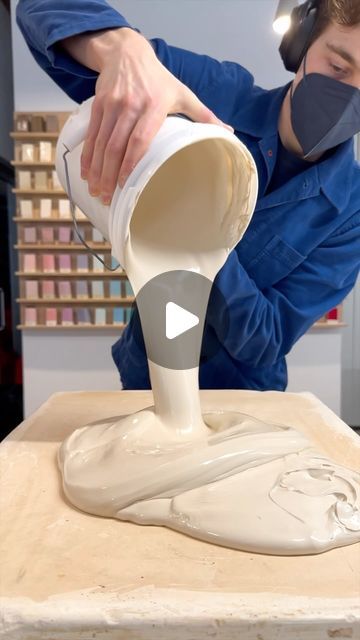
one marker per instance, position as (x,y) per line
(297,39)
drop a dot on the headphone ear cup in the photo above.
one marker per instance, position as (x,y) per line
(296,40)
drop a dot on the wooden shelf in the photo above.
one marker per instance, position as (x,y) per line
(76,301)
(38,192)
(330,324)
(106,327)
(72,274)
(22,163)
(62,247)
(72,247)
(56,248)
(76,327)
(52,220)
(34,135)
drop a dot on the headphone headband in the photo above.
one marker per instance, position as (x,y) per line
(297,39)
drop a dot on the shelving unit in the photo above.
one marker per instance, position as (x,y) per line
(331,320)
(34,153)
(47,241)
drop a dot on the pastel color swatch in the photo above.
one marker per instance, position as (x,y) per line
(115,289)
(64,234)
(52,123)
(64,289)
(64,263)
(118,315)
(67,316)
(30,262)
(128,289)
(24,179)
(48,263)
(32,289)
(114,263)
(26,208)
(37,123)
(55,181)
(27,153)
(22,124)
(30,317)
(45,208)
(41,180)
(75,237)
(50,317)
(64,209)
(30,235)
(96,235)
(100,316)
(81,289)
(45,151)
(48,289)
(82,263)
(83,316)
(127,312)
(97,289)
(47,234)
(97,265)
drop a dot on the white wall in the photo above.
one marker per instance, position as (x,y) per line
(239,30)
(350,394)
(314,364)
(67,361)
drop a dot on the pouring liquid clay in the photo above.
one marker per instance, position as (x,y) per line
(222,477)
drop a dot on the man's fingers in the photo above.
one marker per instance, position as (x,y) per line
(118,138)
(108,123)
(142,135)
(132,101)
(114,155)
(91,135)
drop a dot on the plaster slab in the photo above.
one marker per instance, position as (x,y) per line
(69,575)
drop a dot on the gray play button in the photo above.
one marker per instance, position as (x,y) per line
(178,320)
(172,309)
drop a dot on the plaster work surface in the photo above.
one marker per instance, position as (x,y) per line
(66,574)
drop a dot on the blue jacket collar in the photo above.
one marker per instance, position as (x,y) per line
(336,174)
(259,118)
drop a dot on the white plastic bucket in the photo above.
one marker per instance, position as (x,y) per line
(232,163)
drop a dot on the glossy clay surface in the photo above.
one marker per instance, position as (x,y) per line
(222,477)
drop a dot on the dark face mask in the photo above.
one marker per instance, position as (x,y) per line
(324,113)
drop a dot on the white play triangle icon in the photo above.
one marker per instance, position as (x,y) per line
(178,320)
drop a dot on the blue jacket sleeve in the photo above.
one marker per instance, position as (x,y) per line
(45,23)
(264,325)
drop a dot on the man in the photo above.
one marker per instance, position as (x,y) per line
(301,253)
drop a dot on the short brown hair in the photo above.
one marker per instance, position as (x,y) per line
(342,12)
(345,12)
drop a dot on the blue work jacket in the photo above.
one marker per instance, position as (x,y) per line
(301,253)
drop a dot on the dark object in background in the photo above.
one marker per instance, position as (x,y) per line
(11,408)
(11,404)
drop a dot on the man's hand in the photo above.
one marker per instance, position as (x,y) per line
(134,95)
